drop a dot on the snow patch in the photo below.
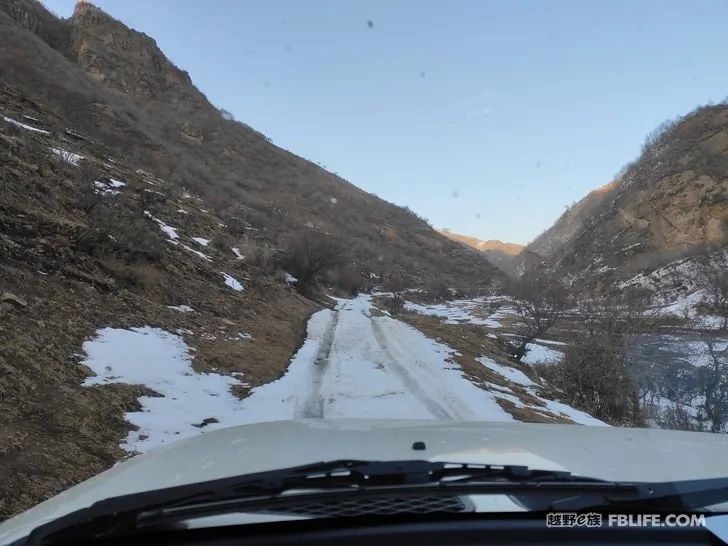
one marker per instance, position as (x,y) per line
(200,241)
(540,354)
(181,308)
(161,361)
(108,186)
(26,127)
(232,282)
(169,231)
(196,252)
(68,157)
(511,374)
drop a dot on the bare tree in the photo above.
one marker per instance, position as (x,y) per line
(677,417)
(714,382)
(620,315)
(594,373)
(540,304)
(713,278)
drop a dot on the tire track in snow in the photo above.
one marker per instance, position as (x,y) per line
(449,411)
(313,406)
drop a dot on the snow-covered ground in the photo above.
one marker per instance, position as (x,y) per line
(551,407)
(471,311)
(352,364)
(161,361)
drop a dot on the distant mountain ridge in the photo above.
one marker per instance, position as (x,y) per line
(479,244)
(500,254)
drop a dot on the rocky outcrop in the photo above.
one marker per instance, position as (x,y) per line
(671,201)
(126,60)
(32,16)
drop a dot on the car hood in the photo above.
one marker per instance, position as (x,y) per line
(608,453)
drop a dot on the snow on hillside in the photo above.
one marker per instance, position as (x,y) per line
(232,282)
(352,364)
(162,362)
(25,126)
(168,230)
(68,157)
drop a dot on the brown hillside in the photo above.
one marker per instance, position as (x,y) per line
(79,253)
(671,201)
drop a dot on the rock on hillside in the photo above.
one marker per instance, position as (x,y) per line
(670,202)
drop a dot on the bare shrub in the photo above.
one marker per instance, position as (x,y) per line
(437,289)
(259,254)
(540,303)
(350,280)
(594,372)
(659,134)
(119,234)
(676,417)
(219,241)
(594,377)
(397,285)
(237,226)
(309,254)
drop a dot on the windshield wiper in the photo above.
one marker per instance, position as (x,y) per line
(336,481)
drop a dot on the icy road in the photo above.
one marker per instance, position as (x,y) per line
(353,364)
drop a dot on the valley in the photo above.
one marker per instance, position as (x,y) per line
(166,271)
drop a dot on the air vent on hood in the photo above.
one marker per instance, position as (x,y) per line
(377,507)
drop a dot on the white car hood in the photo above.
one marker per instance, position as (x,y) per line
(601,452)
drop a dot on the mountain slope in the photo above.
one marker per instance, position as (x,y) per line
(670,202)
(127,201)
(115,85)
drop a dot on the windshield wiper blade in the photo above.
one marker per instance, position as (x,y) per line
(126,513)
(337,481)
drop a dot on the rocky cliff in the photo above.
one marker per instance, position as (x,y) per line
(671,201)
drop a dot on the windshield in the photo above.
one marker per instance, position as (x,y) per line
(496,231)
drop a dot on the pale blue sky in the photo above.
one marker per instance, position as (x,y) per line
(484,117)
